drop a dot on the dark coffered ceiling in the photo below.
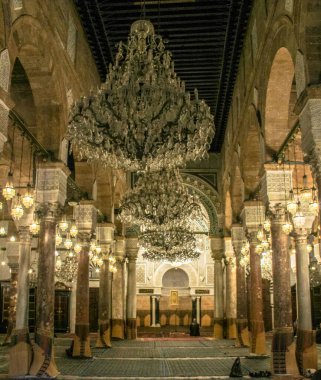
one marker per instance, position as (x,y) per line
(205,38)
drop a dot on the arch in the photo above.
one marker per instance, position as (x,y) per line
(228,211)
(175,278)
(279,88)
(237,192)
(28,42)
(164,267)
(208,197)
(251,154)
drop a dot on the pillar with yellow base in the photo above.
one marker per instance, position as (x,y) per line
(230,309)
(131,253)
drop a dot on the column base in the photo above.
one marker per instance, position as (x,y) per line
(283,359)
(218,328)
(103,336)
(117,330)
(43,363)
(242,338)
(20,354)
(80,347)
(257,338)
(131,328)
(306,350)
(231,332)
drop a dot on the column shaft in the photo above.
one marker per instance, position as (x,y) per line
(219,299)
(306,353)
(131,328)
(283,345)
(231,299)
(257,322)
(81,341)
(241,307)
(21,351)
(12,304)
(43,363)
(118,322)
(103,338)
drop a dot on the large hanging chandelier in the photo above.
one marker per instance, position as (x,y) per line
(178,244)
(141,117)
(159,199)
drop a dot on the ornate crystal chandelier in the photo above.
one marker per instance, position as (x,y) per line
(266,264)
(141,117)
(177,244)
(66,269)
(159,199)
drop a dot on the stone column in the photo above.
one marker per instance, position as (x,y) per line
(242,338)
(21,350)
(85,216)
(105,234)
(13,263)
(253,214)
(306,352)
(118,297)
(283,345)
(198,310)
(230,289)
(153,316)
(217,247)
(131,253)
(309,109)
(72,307)
(51,195)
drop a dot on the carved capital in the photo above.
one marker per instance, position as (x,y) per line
(49,211)
(132,248)
(51,183)
(275,185)
(105,233)
(253,214)
(13,249)
(85,215)
(229,251)
(120,247)
(277,214)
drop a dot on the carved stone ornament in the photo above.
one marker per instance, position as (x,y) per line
(85,215)
(237,233)
(253,214)
(105,233)
(275,186)
(119,247)
(228,248)
(13,252)
(132,248)
(51,183)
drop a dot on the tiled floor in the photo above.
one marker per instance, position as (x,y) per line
(202,358)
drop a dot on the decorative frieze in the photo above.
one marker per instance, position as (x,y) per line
(85,215)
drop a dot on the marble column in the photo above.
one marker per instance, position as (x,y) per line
(131,253)
(283,344)
(13,263)
(198,310)
(85,216)
(51,195)
(242,337)
(153,316)
(21,350)
(230,310)
(252,215)
(105,234)
(118,297)
(217,247)
(306,352)
(72,307)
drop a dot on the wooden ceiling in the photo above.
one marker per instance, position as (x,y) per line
(205,38)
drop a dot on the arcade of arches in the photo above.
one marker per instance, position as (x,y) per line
(271,153)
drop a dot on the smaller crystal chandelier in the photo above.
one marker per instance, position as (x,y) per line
(292,204)
(73,230)
(77,248)
(28,199)
(17,209)
(314,204)
(298,218)
(159,199)
(66,269)
(63,224)
(58,238)
(267,225)
(3,231)
(8,191)
(68,242)
(35,225)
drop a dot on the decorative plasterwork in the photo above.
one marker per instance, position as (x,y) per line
(209,198)
(164,267)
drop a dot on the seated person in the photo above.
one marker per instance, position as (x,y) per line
(194,328)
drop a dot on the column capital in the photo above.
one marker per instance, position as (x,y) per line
(25,220)
(228,248)
(278,214)
(120,244)
(253,214)
(13,250)
(217,247)
(85,215)
(51,183)
(275,185)
(132,248)
(105,233)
